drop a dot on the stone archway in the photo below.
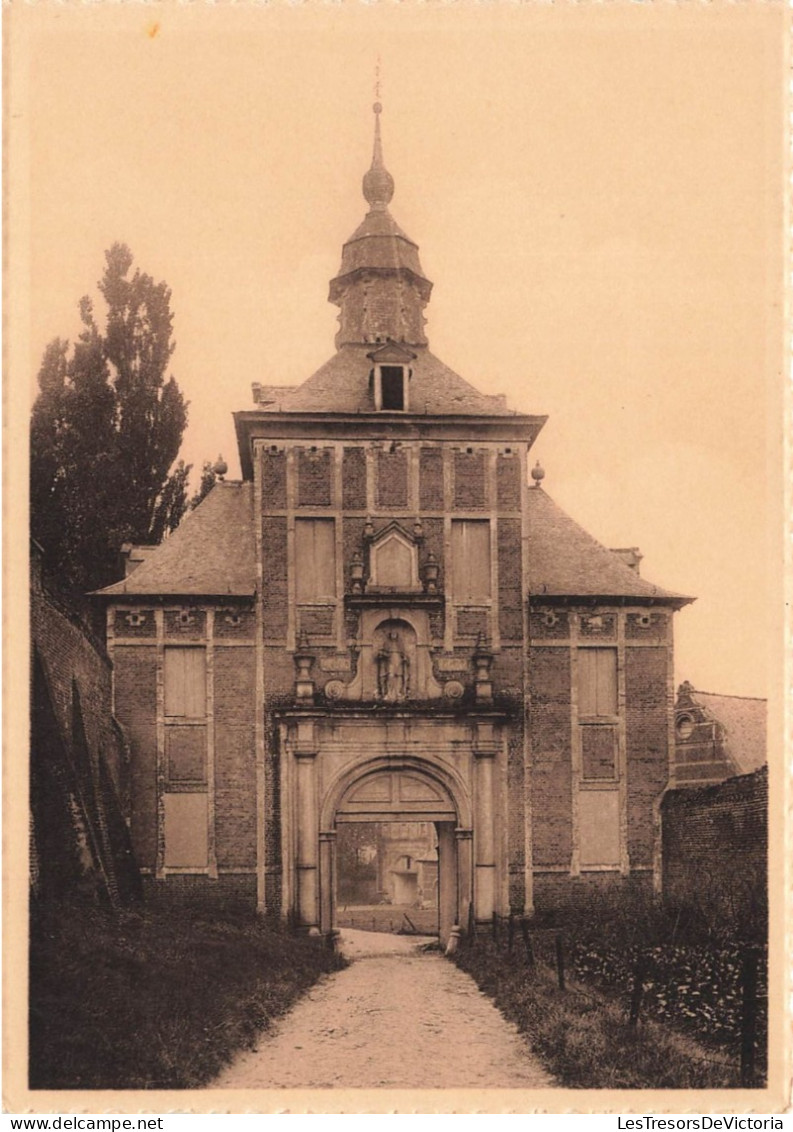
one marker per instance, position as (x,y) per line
(401,791)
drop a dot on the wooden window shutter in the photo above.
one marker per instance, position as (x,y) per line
(597,682)
(471,560)
(315,560)
(185,682)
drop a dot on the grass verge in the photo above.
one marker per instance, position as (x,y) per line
(583,1038)
(156,999)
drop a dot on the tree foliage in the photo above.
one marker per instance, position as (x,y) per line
(106,430)
(208,480)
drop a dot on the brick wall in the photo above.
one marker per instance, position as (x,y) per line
(70,651)
(313,478)
(392,479)
(510,588)
(559,892)
(508,481)
(353,478)
(136,706)
(272,816)
(714,852)
(469,480)
(274,479)
(78,757)
(274,566)
(516,830)
(232,893)
(235,764)
(431,479)
(550,733)
(647,744)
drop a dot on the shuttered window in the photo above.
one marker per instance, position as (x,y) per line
(597,682)
(599,828)
(186,833)
(598,751)
(315,560)
(185,682)
(471,560)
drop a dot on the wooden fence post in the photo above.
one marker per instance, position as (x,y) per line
(638,990)
(495,927)
(560,962)
(748,1016)
(471,924)
(510,930)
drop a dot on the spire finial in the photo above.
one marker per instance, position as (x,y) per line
(378,184)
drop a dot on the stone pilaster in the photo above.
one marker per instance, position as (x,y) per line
(485,750)
(305,752)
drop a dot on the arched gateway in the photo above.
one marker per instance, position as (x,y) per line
(401,764)
(402,790)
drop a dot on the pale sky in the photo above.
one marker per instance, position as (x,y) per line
(595,190)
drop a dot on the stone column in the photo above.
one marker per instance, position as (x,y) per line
(327,881)
(465,896)
(307,827)
(447,880)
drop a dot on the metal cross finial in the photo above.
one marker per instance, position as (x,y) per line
(377,80)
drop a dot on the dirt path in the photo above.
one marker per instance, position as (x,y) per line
(396,1018)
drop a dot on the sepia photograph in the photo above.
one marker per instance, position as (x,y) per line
(395,556)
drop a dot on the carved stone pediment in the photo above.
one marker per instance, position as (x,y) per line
(394,562)
(391,353)
(388,564)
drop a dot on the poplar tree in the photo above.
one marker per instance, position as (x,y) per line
(106,430)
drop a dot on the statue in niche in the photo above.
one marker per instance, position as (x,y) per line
(393,669)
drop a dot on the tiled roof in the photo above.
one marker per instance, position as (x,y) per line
(342,386)
(565,561)
(743,719)
(210,552)
(378,243)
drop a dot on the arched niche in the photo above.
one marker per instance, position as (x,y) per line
(394,652)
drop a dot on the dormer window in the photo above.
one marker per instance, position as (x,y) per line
(392,387)
(390,378)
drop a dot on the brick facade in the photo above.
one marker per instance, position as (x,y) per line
(216,750)
(554,783)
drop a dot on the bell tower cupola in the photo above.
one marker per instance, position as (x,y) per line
(380,288)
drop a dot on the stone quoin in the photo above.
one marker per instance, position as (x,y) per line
(383,621)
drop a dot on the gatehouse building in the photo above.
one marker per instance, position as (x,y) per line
(388,619)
